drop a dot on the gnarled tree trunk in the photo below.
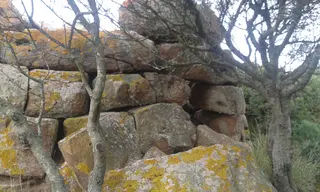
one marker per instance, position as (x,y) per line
(279,140)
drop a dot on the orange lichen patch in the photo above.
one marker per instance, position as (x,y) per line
(83,167)
(150,161)
(196,154)
(172,160)
(8,155)
(72,125)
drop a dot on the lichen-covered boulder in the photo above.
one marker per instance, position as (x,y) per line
(216,168)
(13,85)
(70,178)
(164,121)
(181,61)
(221,99)
(230,125)
(146,18)
(207,137)
(126,90)
(169,88)
(121,139)
(15,160)
(123,52)
(65,94)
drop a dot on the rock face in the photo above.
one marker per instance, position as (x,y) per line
(164,121)
(215,168)
(230,125)
(15,159)
(65,95)
(153,152)
(126,90)
(138,15)
(14,86)
(221,99)
(120,134)
(184,63)
(169,88)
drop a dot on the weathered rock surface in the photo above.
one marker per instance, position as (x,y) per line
(123,52)
(13,86)
(65,94)
(215,168)
(70,178)
(15,160)
(122,147)
(138,15)
(169,88)
(10,18)
(126,90)
(180,61)
(230,125)
(164,121)
(153,152)
(207,137)
(221,99)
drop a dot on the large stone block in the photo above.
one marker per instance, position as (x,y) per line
(164,121)
(123,52)
(188,64)
(230,125)
(65,94)
(215,168)
(126,90)
(221,99)
(13,85)
(169,88)
(15,159)
(146,18)
(121,138)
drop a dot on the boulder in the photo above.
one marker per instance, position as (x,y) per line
(230,125)
(124,52)
(153,152)
(13,86)
(169,88)
(126,90)
(215,168)
(122,147)
(70,178)
(221,99)
(65,94)
(181,61)
(156,19)
(15,159)
(164,121)
(207,137)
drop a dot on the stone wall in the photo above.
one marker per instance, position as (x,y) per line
(146,113)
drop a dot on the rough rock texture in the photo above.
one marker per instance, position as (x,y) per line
(216,168)
(15,160)
(207,137)
(221,99)
(10,18)
(119,129)
(124,90)
(123,53)
(65,95)
(180,61)
(175,14)
(153,152)
(230,125)
(169,88)
(70,178)
(164,121)
(13,86)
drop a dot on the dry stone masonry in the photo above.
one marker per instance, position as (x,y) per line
(177,129)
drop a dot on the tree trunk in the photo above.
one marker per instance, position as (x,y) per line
(279,141)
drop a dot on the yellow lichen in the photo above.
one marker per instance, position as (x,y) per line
(131,185)
(172,160)
(72,125)
(83,167)
(118,77)
(113,179)
(51,99)
(150,161)
(195,155)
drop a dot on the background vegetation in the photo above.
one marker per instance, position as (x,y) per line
(305,119)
